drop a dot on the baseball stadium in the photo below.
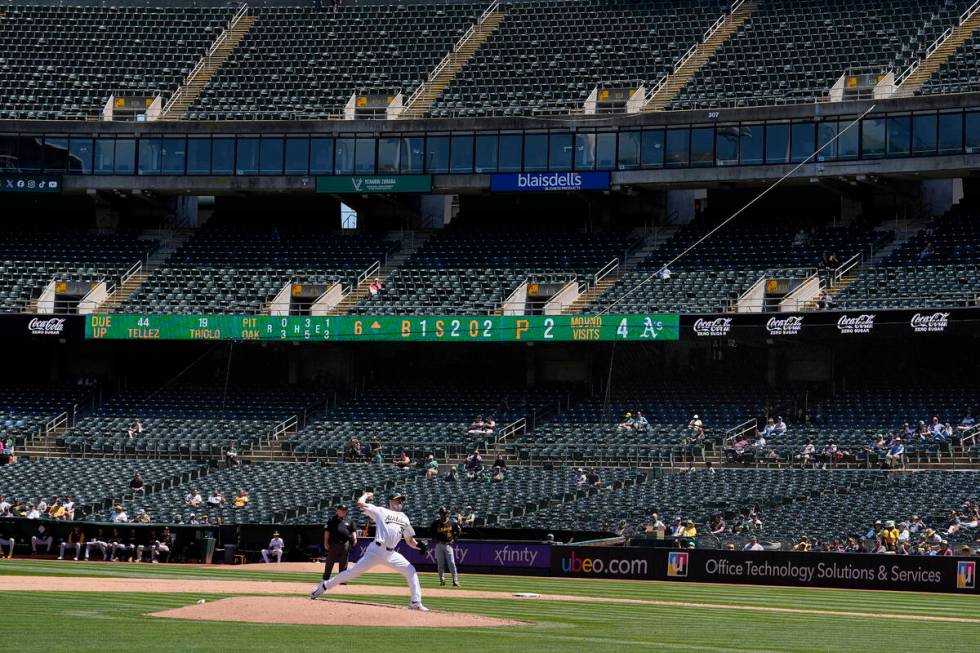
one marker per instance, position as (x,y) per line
(520,325)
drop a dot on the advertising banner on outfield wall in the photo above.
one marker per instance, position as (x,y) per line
(854,571)
(15,326)
(505,556)
(850,325)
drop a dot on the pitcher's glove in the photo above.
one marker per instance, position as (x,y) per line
(423,546)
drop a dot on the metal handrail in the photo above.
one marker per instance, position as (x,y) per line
(372,270)
(744,427)
(206,59)
(846,267)
(965,16)
(451,54)
(970,434)
(517,426)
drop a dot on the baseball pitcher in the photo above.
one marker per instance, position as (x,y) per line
(391,526)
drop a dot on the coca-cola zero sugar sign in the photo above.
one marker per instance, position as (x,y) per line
(717,327)
(787,326)
(863,323)
(930,323)
(54,326)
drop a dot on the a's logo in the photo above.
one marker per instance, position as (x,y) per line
(789,326)
(677,565)
(717,327)
(966,575)
(935,323)
(51,327)
(861,324)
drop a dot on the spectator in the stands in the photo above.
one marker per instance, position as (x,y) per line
(402,461)
(829,261)
(193,498)
(825,301)
(753,545)
(640,423)
(489,424)
(136,428)
(56,511)
(580,477)
(916,525)
(895,454)
(474,463)
(627,424)
(805,456)
(592,478)
(923,430)
(696,427)
(830,454)
(736,452)
(717,525)
(452,474)
(136,484)
(231,455)
(354,452)
(142,517)
(779,428)
(477,426)
(469,517)
(497,475)
(500,461)
(935,426)
(118,515)
(927,252)
(803,544)
(241,500)
(689,530)
(800,239)
(677,528)
(431,466)
(41,505)
(33,512)
(968,420)
(655,526)
(216,499)
(759,446)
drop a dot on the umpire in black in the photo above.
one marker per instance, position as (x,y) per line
(339,537)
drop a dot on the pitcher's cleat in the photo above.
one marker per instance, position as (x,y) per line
(455,583)
(317,591)
(418,606)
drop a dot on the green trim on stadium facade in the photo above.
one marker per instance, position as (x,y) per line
(375,184)
(422,328)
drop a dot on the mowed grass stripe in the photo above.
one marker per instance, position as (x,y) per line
(916,603)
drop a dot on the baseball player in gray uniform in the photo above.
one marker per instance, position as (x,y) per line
(391,526)
(7,542)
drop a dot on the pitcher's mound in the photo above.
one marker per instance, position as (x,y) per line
(288,610)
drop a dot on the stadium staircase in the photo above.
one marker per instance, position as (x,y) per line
(667,89)
(170,242)
(649,243)
(439,78)
(223,47)
(410,243)
(916,75)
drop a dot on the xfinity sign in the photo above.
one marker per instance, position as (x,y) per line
(549,181)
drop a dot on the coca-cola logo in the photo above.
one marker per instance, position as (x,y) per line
(50,327)
(717,327)
(861,324)
(934,323)
(788,326)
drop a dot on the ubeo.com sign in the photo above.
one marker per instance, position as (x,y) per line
(853,571)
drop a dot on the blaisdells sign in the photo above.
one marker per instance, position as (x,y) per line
(549,181)
(375,184)
(863,323)
(10,183)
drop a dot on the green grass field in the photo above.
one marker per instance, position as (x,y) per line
(92,621)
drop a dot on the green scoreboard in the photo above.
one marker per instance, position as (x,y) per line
(353,328)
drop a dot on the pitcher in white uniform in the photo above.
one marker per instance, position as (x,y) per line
(392,525)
